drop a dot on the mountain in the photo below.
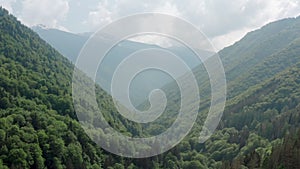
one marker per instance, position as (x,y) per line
(38,124)
(70,44)
(271,111)
(262,101)
(262,51)
(38,129)
(260,127)
(250,61)
(262,72)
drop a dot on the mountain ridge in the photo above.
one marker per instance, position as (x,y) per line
(39,128)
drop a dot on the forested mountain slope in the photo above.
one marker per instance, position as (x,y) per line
(262,110)
(261,54)
(270,110)
(260,127)
(38,127)
(258,56)
(262,72)
(251,61)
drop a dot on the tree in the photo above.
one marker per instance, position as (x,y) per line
(17,158)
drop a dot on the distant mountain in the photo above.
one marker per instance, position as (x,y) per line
(260,127)
(70,44)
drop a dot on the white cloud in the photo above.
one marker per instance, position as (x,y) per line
(7,4)
(100,16)
(46,12)
(220,17)
(110,10)
(222,41)
(168,8)
(224,22)
(156,40)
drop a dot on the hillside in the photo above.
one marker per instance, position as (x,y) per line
(37,130)
(261,54)
(262,72)
(38,127)
(250,61)
(70,45)
(260,127)
(271,111)
(263,99)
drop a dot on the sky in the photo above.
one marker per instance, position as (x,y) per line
(224,22)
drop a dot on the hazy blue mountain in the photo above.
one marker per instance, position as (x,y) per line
(70,44)
(260,127)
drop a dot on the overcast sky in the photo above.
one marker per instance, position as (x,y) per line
(223,21)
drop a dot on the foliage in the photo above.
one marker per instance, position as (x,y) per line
(39,128)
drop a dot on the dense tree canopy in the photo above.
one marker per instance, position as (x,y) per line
(260,127)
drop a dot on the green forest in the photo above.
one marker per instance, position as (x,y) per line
(260,127)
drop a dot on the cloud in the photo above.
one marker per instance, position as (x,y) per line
(222,21)
(252,15)
(168,8)
(46,12)
(227,39)
(219,17)
(110,10)
(100,16)
(225,22)
(7,4)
